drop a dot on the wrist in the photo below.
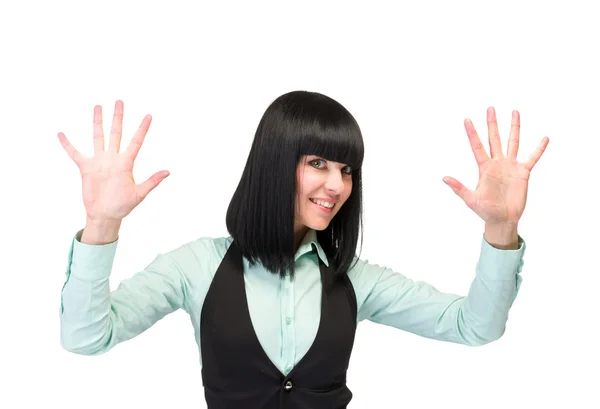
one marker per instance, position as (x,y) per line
(99,232)
(503,236)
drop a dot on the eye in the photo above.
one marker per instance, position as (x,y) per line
(347,170)
(315,163)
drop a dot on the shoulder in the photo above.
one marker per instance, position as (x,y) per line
(364,276)
(198,259)
(214,247)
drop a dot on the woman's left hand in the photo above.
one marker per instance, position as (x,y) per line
(501,193)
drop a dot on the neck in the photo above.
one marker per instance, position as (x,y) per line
(299,233)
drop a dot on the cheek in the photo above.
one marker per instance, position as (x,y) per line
(300,175)
(347,192)
(348,189)
(310,182)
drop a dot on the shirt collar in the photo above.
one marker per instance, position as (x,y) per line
(308,243)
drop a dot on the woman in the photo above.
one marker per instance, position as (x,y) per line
(275,305)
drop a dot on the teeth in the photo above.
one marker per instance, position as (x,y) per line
(323,203)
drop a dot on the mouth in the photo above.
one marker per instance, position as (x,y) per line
(323,205)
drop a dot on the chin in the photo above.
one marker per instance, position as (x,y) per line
(318,225)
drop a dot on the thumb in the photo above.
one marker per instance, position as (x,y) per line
(150,183)
(461,191)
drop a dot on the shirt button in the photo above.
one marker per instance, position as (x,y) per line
(288,385)
(288,320)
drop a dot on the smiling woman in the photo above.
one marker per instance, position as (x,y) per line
(322,189)
(276,304)
(295,125)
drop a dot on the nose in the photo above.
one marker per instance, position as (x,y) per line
(334,183)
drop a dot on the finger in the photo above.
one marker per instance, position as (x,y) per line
(138,138)
(98,131)
(535,156)
(513,139)
(476,145)
(70,149)
(149,185)
(117,127)
(494,134)
(461,191)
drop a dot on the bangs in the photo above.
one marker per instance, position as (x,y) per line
(319,125)
(336,139)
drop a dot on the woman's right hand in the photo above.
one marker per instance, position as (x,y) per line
(109,191)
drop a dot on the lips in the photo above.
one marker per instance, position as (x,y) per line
(323,203)
(321,207)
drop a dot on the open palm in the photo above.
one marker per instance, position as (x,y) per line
(109,190)
(501,192)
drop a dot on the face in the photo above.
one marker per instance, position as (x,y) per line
(322,188)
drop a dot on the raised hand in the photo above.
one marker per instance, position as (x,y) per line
(501,193)
(109,191)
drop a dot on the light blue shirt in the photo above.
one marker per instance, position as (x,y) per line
(285,313)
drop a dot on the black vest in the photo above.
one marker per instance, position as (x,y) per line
(236,371)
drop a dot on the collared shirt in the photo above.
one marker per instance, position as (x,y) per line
(285,313)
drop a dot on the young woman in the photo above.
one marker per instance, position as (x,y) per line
(275,305)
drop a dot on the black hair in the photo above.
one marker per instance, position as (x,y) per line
(260,216)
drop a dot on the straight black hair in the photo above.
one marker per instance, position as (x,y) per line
(260,216)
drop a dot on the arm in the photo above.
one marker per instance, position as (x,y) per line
(389,298)
(93,319)
(480,317)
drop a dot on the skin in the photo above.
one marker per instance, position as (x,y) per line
(110,192)
(322,179)
(501,193)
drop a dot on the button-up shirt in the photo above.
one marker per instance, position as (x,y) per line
(285,313)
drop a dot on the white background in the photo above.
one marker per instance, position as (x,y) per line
(410,74)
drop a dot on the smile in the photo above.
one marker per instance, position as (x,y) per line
(323,204)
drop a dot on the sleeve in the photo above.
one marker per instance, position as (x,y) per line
(390,298)
(93,319)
